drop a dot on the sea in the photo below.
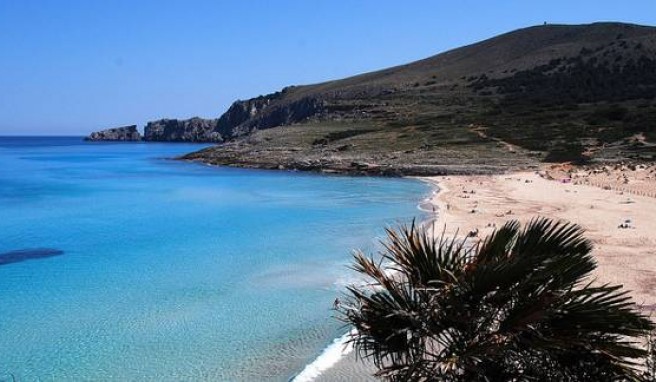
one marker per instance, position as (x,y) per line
(118,263)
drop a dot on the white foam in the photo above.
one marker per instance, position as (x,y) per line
(327,359)
(340,348)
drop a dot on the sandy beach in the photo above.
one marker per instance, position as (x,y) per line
(616,205)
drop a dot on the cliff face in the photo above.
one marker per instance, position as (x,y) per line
(241,111)
(242,118)
(125,133)
(190,130)
(264,112)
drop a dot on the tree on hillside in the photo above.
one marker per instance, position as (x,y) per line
(521,305)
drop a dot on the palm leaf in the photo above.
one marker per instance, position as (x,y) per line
(521,305)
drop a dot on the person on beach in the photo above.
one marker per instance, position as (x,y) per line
(336,303)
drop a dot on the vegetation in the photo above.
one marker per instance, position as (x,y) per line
(518,306)
(578,80)
(572,152)
(339,135)
(548,93)
(585,97)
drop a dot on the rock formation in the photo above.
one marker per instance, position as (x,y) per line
(242,118)
(124,133)
(263,112)
(189,130)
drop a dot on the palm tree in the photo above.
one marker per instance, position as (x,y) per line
(520,305)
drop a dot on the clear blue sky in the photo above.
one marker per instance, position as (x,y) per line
(72,66)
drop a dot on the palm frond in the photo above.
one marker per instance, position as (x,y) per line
(521,305)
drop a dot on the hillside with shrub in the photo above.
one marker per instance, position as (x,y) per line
(581,93)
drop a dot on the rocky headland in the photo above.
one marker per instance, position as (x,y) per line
(549,93)
(124,133)
(178,130)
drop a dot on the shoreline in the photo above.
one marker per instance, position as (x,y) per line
(620,224)
(349,168)
(599,201)
(333,363)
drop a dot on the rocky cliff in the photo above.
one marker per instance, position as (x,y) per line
(242,118)
(125,133)
(189,130)
(264,112)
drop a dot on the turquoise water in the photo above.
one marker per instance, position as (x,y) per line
(119,264)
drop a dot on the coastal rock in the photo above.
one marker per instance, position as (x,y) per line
(189,130)
(124,133)
(264,112)
(241,111)
(242,118)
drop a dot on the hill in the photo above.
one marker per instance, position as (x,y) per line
(545,93)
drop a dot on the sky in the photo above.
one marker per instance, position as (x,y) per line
(69,67)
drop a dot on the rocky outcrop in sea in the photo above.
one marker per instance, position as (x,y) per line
(242,118)
(124,133)
(187,130)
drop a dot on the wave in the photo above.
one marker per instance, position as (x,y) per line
(327,359)
(340,347)
(426,204)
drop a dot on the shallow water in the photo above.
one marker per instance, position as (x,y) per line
(124,265)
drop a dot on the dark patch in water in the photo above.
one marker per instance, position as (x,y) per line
(28,254)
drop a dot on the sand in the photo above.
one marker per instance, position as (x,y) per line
(625,256)
(616,205)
